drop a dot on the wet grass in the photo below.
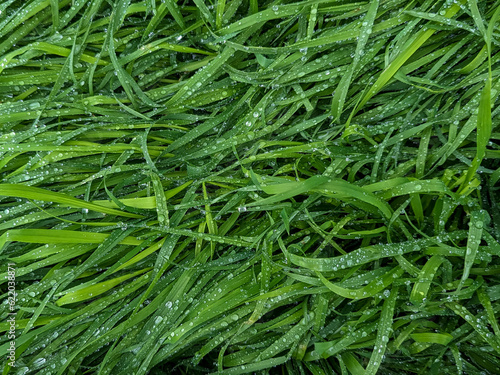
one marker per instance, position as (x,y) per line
(242,186)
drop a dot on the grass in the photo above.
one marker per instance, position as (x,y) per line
(242,186)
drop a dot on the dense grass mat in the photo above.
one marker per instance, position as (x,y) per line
(250,187)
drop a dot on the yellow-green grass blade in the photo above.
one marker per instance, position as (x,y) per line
(92,291)
(34,193)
